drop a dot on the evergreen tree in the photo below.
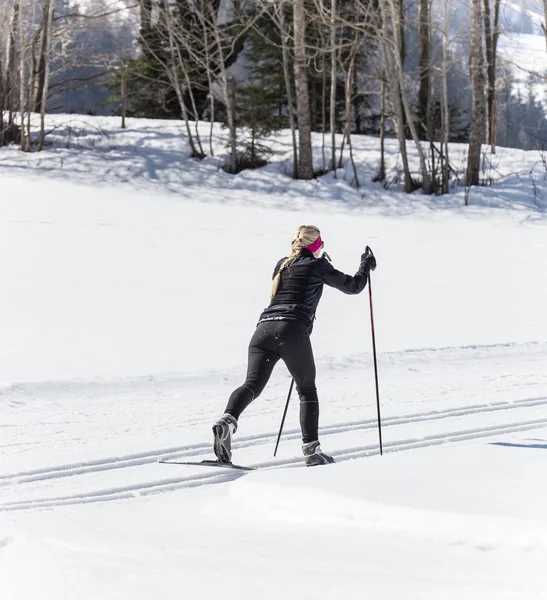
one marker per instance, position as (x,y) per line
(258,113)
(150,89)
(264,61)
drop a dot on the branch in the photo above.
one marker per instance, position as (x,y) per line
(89,78)
(76,15)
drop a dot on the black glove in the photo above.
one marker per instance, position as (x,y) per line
(368,261)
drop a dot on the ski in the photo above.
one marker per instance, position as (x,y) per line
(207,463)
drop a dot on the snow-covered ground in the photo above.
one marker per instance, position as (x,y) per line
(130,281)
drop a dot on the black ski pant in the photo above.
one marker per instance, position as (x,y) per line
(289,341)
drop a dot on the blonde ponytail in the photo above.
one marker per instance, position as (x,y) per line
(305,236)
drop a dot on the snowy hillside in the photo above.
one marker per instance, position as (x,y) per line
(522,45)
(131,278)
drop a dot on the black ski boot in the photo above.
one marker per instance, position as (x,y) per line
(314,456)
(223,430)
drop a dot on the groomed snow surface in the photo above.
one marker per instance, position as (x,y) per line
(131,278)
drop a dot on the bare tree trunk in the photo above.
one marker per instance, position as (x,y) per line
(210,84)
(400,122)
(390,49)
(124,99)
(31,72)
(400,38)
(426,87)
(172,71)
(212,122)
(34,75)
(424,62)
(495,36)
(401,23)
(305,163)
(477,87)
(399,71)
(232,123)
(445,111)
(382,170)
(430,135)
(8,133)
(349,87)
(491,34)
(41,63)
(333,82)
(228,91)
(25,142)
(494,125)
(288,85)
(195,111)
(342,145)
(186,119)
(29,138)
(323,111)
(28,56)
(46,60)
(313,100)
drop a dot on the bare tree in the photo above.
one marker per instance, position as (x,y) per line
(123,99)
(8,31)
(177,71)
(476,63)
(46,59)
(34,40)
(207,57)
(491,36)
(391,46)
(349,77)
(205,50)
(381,175)
(23,56)
(445,109)
(285,40)
(78,57)
(405,108)
(228,86)
(424,66)
(427,72)
(333,83)
(276,11)
(305,162)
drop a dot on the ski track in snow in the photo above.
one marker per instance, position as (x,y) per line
(209,478)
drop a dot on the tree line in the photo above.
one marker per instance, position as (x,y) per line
(336,67)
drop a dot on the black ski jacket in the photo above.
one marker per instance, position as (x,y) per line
(301,286)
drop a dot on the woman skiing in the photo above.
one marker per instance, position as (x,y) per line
(283,332)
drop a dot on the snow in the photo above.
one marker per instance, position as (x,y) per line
(131,278)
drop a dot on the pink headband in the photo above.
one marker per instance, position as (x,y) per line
(316,245)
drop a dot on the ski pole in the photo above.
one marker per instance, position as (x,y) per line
(375,363)
(284,415)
